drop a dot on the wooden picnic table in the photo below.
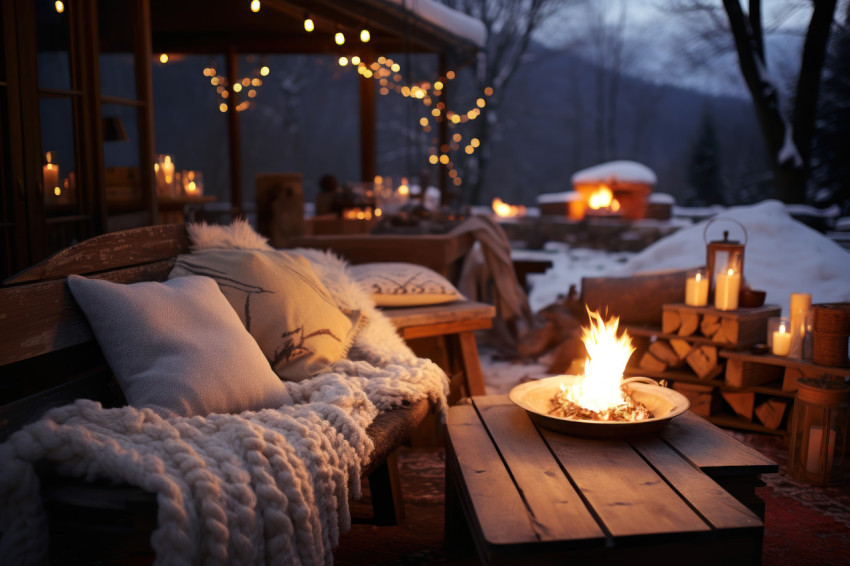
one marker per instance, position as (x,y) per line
(523,494)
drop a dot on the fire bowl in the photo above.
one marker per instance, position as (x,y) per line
(536,396)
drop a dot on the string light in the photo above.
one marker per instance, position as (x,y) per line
(60,7)
(264,70)
(343,61)
(255,6)
(163,58)
(308,24)
(365,36)
(339,38)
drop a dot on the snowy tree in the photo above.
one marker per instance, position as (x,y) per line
(830,164)
(787,126)
(510,25)
(704,175)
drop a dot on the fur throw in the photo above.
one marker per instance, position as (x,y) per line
(269,486)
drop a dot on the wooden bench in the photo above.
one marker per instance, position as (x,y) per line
(526,495)
(49,357)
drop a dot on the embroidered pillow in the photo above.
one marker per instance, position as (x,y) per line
(398,284)
(282,304)
(178,347)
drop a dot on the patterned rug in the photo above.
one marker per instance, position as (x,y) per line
(804,525)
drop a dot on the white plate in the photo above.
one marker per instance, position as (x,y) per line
(536,396)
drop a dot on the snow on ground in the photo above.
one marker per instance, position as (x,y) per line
(782,256)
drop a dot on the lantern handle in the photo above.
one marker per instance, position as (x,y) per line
(725,232)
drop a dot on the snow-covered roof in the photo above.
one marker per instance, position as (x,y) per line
(626,171)
(457,23)
(661,198)
(566,196)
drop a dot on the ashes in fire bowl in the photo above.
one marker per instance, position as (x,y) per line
(600,402)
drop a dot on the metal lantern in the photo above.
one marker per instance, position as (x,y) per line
(819,431)
(724,255)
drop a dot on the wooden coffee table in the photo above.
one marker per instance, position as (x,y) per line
(526,495)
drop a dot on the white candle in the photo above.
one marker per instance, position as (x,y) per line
(696,290)
(799,306)
(781,341)
(726,290)
(813,455)
(50,174)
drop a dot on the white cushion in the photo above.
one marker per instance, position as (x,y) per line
(283,305)
(178,347)
(399,284)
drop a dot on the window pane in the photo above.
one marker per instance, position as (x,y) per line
(121,155)
(116,38)
(54,67)
(59,165)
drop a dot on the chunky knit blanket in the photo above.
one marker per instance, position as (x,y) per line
(270,486)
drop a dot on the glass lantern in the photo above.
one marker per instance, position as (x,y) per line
(819,431)
(724,256)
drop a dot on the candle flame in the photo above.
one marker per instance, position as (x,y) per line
(506,210)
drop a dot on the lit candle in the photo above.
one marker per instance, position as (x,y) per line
(696,289)
(50,173)
(726,290)
(781,341)
(813,453)
(799,308)
(168,170)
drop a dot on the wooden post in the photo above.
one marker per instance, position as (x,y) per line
(234,135)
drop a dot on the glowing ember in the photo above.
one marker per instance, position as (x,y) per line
(506,210)
(603,199)
(598,394)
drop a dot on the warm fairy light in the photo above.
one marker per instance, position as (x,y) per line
(365,36)
(60,7)
(255,6)
(163,58)
(433,160)
(444,159)
(264,70)
(488,91)
(237,87)
(355,60)
(309,25)
(438,85)
(450,75)
(256,82)
(395,67)
(343,61)
(252,93)
(435,112)
(474,142)
(480,102)
(246,81)
(469,150)
(457,137)
(457,182)
(339,38)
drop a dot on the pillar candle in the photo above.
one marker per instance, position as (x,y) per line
(696,290)
(50,173)
(799,308)
(726,290)
(781,341)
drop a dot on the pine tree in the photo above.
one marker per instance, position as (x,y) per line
(704,166)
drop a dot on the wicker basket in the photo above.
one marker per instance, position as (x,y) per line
(833,318)
(830,349)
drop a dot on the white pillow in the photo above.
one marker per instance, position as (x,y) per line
(282,303)
(178,347)
(399,284)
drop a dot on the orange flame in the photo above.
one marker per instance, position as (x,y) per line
(603,198)
(607,354)
(505,210)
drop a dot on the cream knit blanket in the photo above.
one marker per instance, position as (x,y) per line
(260,487)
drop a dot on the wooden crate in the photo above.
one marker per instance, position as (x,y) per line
(736,330)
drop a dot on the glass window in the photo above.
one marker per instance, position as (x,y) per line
(59,164)
(117,41)
(54,67)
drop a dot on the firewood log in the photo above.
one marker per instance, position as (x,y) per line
(741,402)
(703,360)
(690,323)
(682,347)
(770,413)
(535,342)
(662,350)
(566,353)
(709,325)
(651,363)
(670,321)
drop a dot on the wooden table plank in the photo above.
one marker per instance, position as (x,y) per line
(557,509)
(606,470)
(719,508)
(488,485)
(712,450)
